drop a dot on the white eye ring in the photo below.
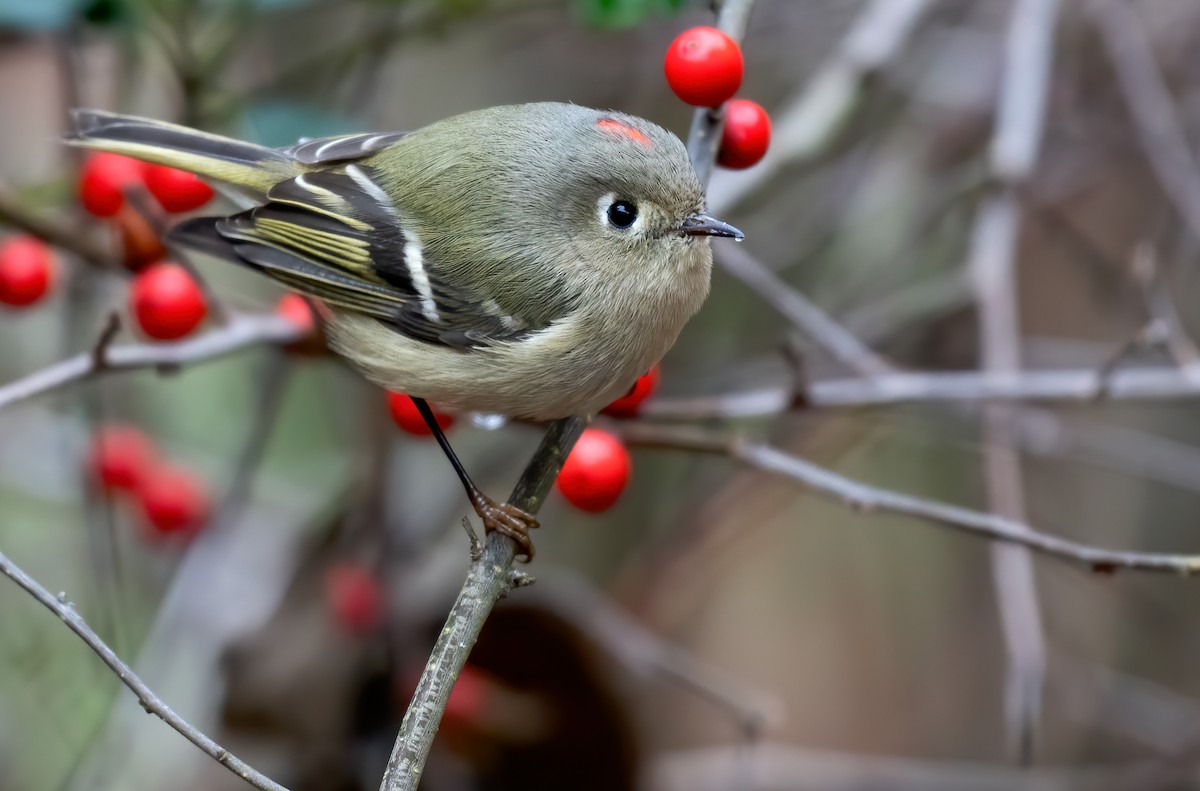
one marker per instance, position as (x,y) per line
(623,208)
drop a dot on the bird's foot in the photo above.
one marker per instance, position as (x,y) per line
(507,520)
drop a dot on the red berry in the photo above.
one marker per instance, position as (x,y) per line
(595,472)
(295,309)
(467,697)
(176,190)
(628,404)
(406,416)
(704,66)
(173,501)
(27,270)
(355,597)
(103,180)
(747,134)
(120,457)
(166,301)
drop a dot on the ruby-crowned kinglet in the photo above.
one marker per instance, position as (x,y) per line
(530,260)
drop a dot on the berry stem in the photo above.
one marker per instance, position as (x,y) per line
(707,123)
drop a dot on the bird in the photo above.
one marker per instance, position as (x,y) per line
(528,260)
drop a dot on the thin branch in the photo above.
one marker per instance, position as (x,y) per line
(1079,386)
(65,610)
(644,653)
(708,123)
(1028,64)
(240,333)
(865,497)
(1160,307)
(802,312)
(14,213)
(812,121)
(1151,107)
(487,580)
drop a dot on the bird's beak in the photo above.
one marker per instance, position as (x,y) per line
(702,225)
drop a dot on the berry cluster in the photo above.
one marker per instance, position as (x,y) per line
(172,501)
(164,299)
(704,68)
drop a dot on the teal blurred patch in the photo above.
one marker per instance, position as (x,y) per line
(624,13)
(37,14)
(282,122)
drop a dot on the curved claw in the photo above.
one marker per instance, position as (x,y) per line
(507,520)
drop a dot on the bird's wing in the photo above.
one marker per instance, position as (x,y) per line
(334,234)
(340,148)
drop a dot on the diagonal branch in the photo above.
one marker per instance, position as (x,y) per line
(802,313)
(65,610)
(1154,115)
(240,333)
(865,497)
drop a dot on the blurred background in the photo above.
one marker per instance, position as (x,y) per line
(718,627)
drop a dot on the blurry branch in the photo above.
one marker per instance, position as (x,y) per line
(864,497)
(644,653)
(151,702)
(14,213)
(1063,385)
(1020,119)
(1150,105)
(491,575)
(806,127)
(782,767)
(271,386)
(1160,307)
(240,333)
(802,312)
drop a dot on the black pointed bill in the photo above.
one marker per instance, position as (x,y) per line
(703,225)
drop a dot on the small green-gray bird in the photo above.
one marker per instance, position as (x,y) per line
(529,260)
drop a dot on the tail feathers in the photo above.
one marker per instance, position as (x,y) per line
(245,167)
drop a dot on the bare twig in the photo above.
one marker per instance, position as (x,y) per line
(708,123)
(1160,307)
(14,213)
(63,608)
(487,580)
(645,653)
(1065,385)
(864,497)
(1020,119)
(806,127)
(802,312)
(241,332)
(1150,105)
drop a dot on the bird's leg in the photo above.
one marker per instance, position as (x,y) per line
(504,518)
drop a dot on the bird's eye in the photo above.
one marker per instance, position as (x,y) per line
(622,213)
